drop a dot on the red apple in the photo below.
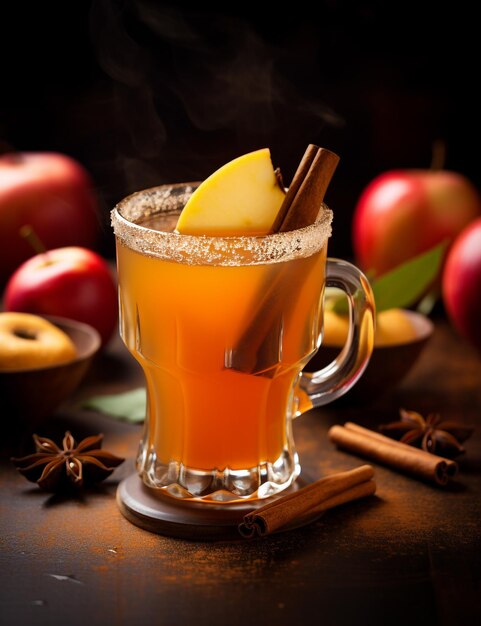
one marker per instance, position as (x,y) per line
(403,213)
(462,283)
(71,282)
(54,194)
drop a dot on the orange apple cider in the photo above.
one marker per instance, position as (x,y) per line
(222,326)
(182,321)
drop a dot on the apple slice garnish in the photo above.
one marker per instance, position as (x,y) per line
(242,197)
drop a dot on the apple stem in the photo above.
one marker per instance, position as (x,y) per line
(438,158)
(33,239)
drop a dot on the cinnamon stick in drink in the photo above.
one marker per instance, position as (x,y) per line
(306,192)
(395,454)
(293,509)
(257,349)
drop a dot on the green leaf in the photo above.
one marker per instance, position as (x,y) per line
(130,405)
(340,305)
(404,285)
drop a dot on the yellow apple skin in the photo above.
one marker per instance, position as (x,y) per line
(242,197)
(393,327)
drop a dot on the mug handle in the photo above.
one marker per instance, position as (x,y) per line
(334,380)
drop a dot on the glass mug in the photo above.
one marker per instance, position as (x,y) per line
(222,328)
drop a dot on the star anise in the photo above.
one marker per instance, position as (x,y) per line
(79,465)
(430,434)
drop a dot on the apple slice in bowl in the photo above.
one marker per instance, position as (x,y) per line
(29,395)
(401,336)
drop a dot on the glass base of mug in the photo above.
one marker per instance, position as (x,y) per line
(219,486)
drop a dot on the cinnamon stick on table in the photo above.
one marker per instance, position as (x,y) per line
(395,454)
(257,349)
(296,508)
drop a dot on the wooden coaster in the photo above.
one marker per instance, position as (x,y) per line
(157,513)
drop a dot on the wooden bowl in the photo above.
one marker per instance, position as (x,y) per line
(28,395)
(387,366)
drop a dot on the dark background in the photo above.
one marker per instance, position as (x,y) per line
(144,92)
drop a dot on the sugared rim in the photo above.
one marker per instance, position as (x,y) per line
(202,249)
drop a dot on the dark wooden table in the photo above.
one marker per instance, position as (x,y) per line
(411,554)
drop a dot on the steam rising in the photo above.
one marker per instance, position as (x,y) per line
(192,90)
